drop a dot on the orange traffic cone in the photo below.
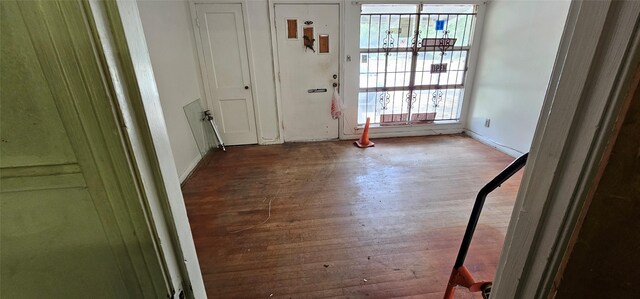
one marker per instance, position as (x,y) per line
(364,140)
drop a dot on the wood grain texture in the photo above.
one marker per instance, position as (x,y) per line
(292,28)
(309,220)
(323,43)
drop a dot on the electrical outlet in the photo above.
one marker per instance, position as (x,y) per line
(487,122)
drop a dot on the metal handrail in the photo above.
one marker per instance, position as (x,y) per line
(504,175)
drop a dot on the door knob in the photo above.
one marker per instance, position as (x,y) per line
(246,87)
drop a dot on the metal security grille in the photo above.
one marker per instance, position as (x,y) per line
(413,65)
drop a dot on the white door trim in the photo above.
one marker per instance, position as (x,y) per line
(126,58)
(276,62)
(567,146)
(203,66)
(583,100)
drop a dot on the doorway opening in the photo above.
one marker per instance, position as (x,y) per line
(323,219)
(320,218)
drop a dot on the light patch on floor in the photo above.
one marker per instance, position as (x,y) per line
(327,219)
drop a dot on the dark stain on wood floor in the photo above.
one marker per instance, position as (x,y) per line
(327,219)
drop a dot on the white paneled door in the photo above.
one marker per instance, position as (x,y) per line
(308,57)
(224,49)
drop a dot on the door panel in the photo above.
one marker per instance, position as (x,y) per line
(224,45)
(307,116)
(224,48)
(54,246)
(48,221)
(33,102)
(72,221)
(237,120)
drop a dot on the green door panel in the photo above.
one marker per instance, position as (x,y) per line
(54,246)
(73,222)
(32,131)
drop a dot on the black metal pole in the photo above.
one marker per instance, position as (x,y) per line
(477,207)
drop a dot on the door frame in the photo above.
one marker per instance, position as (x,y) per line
(557,177)
(125,58)
(599,49)
(203,66)
(276,61)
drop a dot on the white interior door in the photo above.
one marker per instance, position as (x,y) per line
(224,48)
(306,75)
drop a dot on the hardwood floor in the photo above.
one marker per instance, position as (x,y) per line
(327,219)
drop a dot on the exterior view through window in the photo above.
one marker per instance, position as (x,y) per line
(413,62)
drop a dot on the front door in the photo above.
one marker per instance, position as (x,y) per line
(224,49)
(308,57)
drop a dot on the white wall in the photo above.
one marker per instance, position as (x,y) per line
(170,39)
(517,52)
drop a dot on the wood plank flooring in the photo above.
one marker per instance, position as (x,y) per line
(327,219)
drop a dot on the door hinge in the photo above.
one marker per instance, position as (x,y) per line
(181,294)
(198,22)
(278,76)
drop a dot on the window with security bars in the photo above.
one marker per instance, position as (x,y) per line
(413,62)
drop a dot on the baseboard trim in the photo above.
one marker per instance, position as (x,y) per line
(406,131)
(509,151)
(387,134)
(192,166)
